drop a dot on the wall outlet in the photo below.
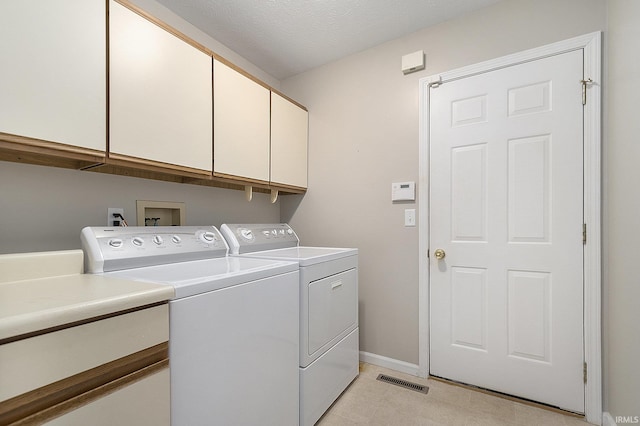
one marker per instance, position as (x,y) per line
(111,219)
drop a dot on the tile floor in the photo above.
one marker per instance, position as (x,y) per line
(370,402)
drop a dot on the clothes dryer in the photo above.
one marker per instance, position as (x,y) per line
(329,347)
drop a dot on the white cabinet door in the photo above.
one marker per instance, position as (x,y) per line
(160,101)
(53,71)
(241,125)
(25,365)
(289,135)
(145,403)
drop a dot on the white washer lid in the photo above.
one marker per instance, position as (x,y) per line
(200,276)
(305,256)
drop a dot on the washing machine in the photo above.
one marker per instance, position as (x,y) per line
(233,323)
(329,347)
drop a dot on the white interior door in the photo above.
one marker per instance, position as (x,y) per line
(506,197)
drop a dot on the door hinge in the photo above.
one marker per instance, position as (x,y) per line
(584,372)
(427,253)
(584,233)
(584,89)
(435,84)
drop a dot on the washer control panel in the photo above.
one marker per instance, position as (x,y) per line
(113,248)
(246,238)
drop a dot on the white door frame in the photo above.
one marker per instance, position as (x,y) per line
(592,46)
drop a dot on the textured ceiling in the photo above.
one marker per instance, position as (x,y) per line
(286,37)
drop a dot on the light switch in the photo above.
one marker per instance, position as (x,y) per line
(410,217)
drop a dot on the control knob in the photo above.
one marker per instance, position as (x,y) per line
(115,243)
(208,237)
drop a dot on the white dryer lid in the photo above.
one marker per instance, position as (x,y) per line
(304,255)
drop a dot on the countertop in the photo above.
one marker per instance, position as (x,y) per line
(39,291)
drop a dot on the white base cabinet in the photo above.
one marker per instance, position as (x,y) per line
(105,372)
(142,403)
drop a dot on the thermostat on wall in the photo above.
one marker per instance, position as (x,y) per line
(403,191)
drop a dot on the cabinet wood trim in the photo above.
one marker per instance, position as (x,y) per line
(192,42)
(133,170)
(240,70)
(90,396)
(218,182)
(165,26)
(288,188)
(65,395)
(42,147)
(242,180)
(289,99)
(155,166)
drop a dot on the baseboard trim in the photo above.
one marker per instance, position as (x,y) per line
(393,364)
(607,419)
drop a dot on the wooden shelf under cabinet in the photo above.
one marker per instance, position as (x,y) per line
(20,149)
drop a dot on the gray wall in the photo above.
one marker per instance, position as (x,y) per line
(364,136)
(44,208)
(622,331)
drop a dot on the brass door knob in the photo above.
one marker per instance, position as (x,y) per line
(439,254)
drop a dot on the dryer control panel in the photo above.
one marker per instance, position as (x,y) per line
(248,238)
(114,248)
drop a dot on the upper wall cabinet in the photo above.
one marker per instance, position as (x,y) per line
(289,136)
(53,73)
(240,125)
(160,104)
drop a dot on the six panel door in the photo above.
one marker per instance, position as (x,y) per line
(506,207)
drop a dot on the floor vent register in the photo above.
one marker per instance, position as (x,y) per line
(403,383)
